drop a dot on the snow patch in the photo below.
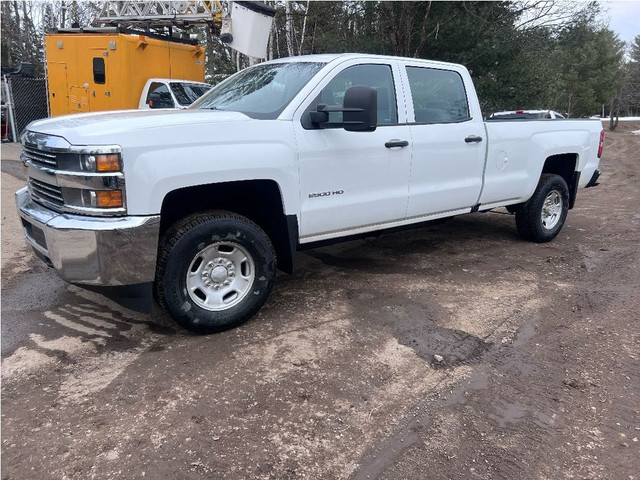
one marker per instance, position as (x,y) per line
(624,119)
(24,361)
(69,345)
(65,322)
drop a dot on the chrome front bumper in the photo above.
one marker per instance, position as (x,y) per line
(108,251)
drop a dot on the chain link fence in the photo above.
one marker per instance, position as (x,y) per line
(26,101)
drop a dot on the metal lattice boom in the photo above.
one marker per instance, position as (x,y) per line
(161,12)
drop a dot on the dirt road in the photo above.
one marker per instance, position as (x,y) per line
(337,377)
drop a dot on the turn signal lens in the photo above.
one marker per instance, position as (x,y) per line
(108,162)
(109,198)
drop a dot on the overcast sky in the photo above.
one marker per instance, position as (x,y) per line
(624,18)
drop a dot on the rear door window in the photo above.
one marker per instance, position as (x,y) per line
(438,96)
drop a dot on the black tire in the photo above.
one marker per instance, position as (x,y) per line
(181,251)
(530,218)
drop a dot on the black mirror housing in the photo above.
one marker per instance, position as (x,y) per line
(360,109)
(320,116)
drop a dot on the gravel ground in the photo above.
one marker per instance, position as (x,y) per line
(451,351)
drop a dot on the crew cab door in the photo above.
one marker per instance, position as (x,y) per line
(448,139)
(352,180)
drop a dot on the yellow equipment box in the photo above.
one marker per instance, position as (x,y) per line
(89,72)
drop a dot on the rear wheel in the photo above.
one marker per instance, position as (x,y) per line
(541,218)
(215,271)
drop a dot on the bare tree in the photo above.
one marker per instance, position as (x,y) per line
(289,29)
(304,28)
(550,13)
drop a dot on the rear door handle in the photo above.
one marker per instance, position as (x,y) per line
(473,139)
(396,143)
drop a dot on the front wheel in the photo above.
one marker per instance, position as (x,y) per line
(215,271)
(541,218)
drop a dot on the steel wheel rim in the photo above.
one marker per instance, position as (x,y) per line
(551,209)
(220,276)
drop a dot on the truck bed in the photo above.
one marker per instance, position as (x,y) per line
(514,149)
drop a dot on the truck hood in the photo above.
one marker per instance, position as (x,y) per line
(103,127)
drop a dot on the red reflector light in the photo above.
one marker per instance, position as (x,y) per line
(519,112)
(601,144)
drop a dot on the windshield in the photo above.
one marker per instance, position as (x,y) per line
(262,91)
(187,93)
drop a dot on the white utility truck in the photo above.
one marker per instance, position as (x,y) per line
(196,206)
(170,93)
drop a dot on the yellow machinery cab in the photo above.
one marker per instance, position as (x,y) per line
(106,68)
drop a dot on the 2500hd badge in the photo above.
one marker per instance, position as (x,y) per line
(326,194)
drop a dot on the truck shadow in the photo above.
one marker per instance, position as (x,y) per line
(389,251)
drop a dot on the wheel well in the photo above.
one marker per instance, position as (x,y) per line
(258,200)
(564,165)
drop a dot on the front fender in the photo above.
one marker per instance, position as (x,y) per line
(267,152)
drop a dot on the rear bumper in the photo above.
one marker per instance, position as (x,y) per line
(109,251)
(594,179)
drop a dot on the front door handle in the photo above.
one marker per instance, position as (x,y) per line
(473,139)
(396,143)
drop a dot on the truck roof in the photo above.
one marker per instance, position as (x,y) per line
(332,57)
(181,80)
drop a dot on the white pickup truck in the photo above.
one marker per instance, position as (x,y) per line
(171,93)
(196,206)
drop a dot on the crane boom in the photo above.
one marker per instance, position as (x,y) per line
(252,20)
(161,13)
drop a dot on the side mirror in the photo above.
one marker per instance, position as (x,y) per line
(158,100)
(360,110)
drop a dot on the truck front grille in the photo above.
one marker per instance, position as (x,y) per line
(40,157)
(46,192)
